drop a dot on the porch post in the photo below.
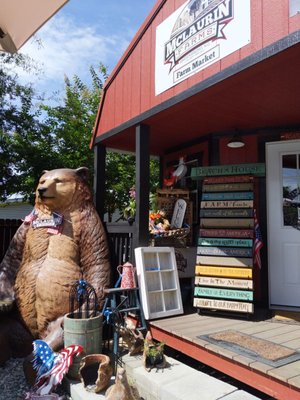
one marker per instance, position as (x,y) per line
(142,185)
(99,178)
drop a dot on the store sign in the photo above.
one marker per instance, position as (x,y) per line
(196,35)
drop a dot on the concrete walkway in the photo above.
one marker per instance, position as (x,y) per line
(177,382)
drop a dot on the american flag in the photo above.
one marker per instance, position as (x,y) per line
(258,244)
(50,366)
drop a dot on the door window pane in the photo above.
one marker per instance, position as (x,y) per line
(290,190)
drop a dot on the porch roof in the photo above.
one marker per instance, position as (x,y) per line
(261,91)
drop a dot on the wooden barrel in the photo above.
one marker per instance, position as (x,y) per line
(86,332)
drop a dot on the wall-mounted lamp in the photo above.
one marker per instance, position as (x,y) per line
(236,142)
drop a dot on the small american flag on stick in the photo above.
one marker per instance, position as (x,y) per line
(258,244)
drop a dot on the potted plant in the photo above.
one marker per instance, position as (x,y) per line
(153,356)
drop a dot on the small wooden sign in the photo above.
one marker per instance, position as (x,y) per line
(208,270)
(227,187)
(225,242)
(215,304)
(227,213)
(225,251)
(227,204)
(245,295)
(178,213)
(224,282)
(235,233)
(228,196)
(226,223)
(228,179)
(225,261)
(258,169)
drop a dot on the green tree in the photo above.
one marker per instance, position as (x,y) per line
(59,137)
(16,115)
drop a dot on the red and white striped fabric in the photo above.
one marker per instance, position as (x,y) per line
(48,381)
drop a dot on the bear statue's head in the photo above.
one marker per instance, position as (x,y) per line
(60,189)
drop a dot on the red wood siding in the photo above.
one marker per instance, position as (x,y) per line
(130,89)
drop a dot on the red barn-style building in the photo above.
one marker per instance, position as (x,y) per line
(198,74)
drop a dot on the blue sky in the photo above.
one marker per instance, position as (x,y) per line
(84,33)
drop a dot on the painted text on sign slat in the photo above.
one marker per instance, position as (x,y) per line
(225,261)
(208,270)
(224,282)
(224,305)
(235,233)
(224,293)
(225,242)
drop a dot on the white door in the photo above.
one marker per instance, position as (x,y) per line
(283,213)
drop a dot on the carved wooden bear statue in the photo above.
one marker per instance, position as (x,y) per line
(61,241)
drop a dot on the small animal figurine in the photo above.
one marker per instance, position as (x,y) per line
(121,389)
(133,340)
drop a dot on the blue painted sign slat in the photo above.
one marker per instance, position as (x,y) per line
(228,187)
(228,196)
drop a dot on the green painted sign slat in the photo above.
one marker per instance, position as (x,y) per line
(228,196)
(258,169)
(225,251)
(225,242)
(227,213)
(226,222)
(245,295)
(227,187)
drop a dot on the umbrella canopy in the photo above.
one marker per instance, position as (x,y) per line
(20,19)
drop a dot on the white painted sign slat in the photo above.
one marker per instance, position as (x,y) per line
(224,305)
(224,282)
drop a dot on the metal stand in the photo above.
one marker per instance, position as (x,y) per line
(118,304)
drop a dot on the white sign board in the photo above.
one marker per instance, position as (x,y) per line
(196,35)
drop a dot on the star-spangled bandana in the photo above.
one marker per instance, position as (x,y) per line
(54,224)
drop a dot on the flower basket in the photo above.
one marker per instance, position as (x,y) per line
(172,238)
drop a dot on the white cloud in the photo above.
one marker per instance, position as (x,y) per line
(69,49)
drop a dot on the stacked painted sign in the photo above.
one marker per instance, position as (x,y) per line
(225,245)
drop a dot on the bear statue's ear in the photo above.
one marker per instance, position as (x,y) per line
(44,171)
(83,172)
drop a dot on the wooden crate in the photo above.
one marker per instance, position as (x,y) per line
(166,199)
